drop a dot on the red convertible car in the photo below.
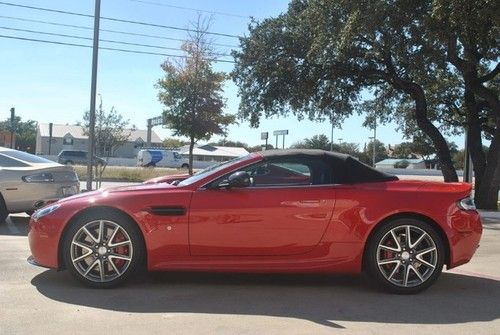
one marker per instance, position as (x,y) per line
(275,211)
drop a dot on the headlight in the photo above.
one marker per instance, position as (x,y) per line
(467,204)
(45,211)
(39,178)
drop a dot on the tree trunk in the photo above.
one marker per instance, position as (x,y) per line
(191,146)
(423,122)
(486,195)
(474,140)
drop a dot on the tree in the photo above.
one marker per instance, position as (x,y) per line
(317,59)
(468,31)
(192,92)
(110,130)
(173,143)
(380,151)
(257,148)
(25,133)
(316,142)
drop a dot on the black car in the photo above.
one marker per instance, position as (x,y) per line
(79,157)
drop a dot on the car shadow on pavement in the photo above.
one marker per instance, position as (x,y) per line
(325,300)
(15,225)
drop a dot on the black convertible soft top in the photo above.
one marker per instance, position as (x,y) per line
(346,169)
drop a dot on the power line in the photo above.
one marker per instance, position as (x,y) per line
(106,48)
(117,20)
(107,30)
(190,8)
(102,40)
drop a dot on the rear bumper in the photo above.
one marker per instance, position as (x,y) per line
(29,197)
(466,231)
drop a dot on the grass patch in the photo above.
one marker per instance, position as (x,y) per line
(129,174)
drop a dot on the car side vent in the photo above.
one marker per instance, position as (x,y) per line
(168,211)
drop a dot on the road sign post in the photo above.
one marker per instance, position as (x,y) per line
(264,136)
(278,133)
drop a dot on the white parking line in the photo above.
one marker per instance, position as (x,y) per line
(12,227)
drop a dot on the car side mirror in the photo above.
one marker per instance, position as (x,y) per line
(238,179)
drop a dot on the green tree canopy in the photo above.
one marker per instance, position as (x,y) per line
(192,92)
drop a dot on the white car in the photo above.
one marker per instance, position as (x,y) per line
(28,181)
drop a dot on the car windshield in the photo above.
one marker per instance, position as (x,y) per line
(26,157)
(211,169)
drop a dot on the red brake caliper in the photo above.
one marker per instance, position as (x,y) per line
(121,250)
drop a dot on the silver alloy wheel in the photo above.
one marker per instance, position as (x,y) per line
(101,251)
(407,256)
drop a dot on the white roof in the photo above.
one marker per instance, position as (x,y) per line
(60,130)
(210,150)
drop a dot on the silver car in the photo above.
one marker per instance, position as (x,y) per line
(28,181)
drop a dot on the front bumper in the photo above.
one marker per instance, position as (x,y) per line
(43,237)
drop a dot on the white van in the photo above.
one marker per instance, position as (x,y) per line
(161,158)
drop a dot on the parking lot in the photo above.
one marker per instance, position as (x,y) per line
(36,300)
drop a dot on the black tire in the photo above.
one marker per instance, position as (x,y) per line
(421,264)
(3,210)
(111,278)
(69,163)
(185,166)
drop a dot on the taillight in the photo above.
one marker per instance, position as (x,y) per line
(39,178)
(467,204)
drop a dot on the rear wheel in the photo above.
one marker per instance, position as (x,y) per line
(103,249)
(185,166)
(3,210)
(405,256)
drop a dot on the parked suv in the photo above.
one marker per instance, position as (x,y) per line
(70,157)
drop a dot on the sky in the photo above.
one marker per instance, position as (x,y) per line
(51,83)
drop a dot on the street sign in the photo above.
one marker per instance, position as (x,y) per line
(280,132)
(264,135)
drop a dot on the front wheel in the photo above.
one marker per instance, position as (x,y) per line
(103,249)
(405,256)
(185,166)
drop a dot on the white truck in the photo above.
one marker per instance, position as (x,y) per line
(161,158)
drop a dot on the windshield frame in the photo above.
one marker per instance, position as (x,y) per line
(214,169)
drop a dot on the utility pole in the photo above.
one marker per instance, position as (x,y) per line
(331,135)
(93,88)
(12,130)
(374,139)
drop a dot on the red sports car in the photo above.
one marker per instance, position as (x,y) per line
(275,211)
(169,179)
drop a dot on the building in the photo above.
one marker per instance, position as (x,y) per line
(392,163)
(66,137)
(211,153)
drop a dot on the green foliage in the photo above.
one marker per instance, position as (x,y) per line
(403,164)
(192,92)
(257,148)
(380,151)
(25,133)
(110,130)
(173,143)
(316,142)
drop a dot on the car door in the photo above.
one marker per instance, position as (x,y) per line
(285,212)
